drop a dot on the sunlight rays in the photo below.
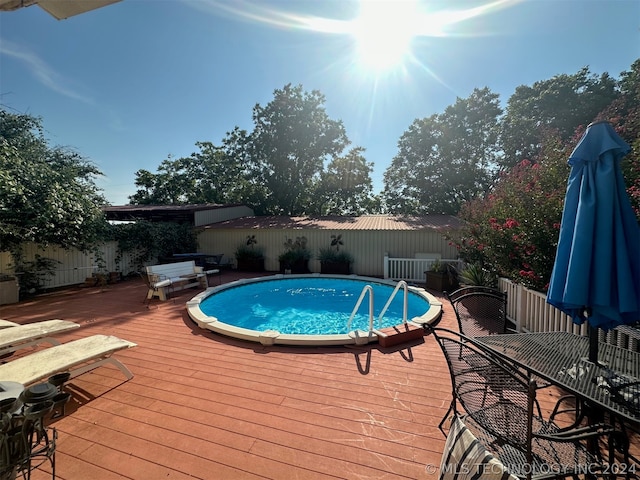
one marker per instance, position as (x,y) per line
(382,30)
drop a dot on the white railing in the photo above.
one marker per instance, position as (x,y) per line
(412,269)
(405,305)
(366,289)
(530,312)
(369,289)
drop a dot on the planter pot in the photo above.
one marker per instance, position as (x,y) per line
(251,264)
(9,291)
(440,281)
(299,266)
(337,268)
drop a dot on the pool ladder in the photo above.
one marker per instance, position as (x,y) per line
(369,289)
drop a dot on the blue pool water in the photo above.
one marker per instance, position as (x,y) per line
(308,306)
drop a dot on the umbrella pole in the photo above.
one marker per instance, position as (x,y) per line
(593,344)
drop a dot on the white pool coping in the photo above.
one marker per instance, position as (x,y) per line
(273,337)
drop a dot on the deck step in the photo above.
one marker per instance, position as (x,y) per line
(405,332)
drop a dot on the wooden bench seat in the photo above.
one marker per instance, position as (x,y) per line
(22,336)
(77,357)
(175,276)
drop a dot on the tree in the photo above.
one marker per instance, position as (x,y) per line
(447,159)
(624,114)
(292,139)
(207,176)
(562,103)
(345,187)
(47,194)
(278,168)
(513,230)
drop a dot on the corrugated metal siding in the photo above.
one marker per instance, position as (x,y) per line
(206,217)
(367,247)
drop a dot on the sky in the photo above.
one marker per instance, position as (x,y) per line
(136,82)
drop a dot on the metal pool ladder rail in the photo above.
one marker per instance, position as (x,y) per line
(369,289)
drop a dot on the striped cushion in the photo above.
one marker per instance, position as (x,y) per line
(465,458)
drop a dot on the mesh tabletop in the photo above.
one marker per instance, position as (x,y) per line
(562,359)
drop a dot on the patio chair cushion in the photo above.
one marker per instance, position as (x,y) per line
(464,457)
(22,336)
(77,357)
(7,323)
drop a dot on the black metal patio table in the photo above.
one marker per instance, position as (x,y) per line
(561,359)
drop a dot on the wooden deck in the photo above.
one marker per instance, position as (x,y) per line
(208,407)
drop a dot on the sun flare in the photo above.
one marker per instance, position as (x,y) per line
(383,32)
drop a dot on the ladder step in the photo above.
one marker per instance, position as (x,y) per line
(390,336)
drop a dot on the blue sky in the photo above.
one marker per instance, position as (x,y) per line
(129,84)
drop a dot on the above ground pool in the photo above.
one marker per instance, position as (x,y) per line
(310,309)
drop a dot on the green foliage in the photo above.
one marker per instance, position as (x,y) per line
(513,231)
(561,103)
(47,194)
(32,275)
(624,114)
(148,240)
(345,187)
(332,253)
(294,251)
(292,138)
(208,176)
(248,250)
(476,274)
(277,168)
(445,160)
(437,266)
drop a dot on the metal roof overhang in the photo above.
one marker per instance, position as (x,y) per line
(60,9)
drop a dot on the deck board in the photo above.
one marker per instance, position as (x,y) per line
(202,406)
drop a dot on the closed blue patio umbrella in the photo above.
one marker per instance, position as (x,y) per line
(596,274)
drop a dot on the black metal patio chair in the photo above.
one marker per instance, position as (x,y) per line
(479,310)
(498,404)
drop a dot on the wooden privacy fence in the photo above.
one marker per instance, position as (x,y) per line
(71,267)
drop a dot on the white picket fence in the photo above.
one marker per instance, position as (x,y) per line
(530,312)
(412,269)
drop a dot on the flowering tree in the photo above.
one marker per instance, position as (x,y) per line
(513,231)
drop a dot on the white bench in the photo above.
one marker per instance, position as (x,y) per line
(77,357)
(176,276)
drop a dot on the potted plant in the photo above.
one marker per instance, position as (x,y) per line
(296,256)
(441,277)
(9,289)
(249,257)
(334,261)
(476,274)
